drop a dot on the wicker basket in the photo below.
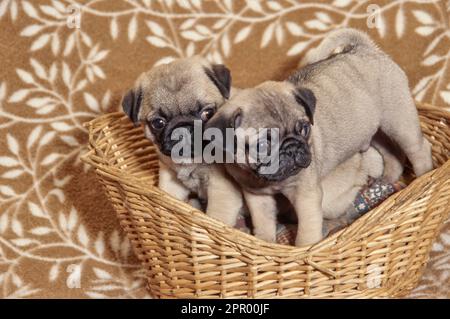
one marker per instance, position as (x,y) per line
(189,255)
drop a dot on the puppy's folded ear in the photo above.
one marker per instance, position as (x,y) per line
(220,75)
(131,104)
(306,98)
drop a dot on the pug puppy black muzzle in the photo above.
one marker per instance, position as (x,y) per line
(178,130)
(293,155)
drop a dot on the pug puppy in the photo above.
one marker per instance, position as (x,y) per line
(325,113)
(173,96)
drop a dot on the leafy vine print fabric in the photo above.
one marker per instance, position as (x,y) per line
(65,62)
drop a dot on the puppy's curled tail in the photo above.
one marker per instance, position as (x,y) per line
(339,41)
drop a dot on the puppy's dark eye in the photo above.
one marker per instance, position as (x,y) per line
(206,114)
(158,123)
(303,128)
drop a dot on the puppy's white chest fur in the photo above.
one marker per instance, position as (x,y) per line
(194,177)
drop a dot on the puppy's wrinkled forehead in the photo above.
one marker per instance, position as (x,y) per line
(178,87)
(173,81)
(271,103)
(175,76)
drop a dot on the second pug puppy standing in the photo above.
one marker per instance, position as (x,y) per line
(325,112)
(173,96)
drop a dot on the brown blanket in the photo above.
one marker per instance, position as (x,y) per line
(64,62)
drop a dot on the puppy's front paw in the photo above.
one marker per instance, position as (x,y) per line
(270,237)
(308,239)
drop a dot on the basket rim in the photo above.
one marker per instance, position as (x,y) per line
(146,189)
(139,186)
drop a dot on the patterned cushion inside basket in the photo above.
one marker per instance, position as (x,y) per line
(373,194)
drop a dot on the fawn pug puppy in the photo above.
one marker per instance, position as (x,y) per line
(173,96)
(326,112)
